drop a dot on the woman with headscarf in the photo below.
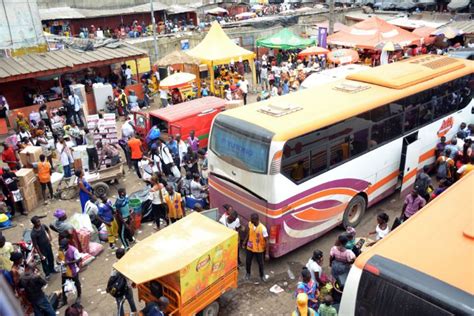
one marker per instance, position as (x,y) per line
(65,229)
(21,121)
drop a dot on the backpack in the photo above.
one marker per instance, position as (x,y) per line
(442,171)
(117,285)
(422,182)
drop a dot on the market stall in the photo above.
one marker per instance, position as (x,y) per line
(218,49)
(286,40)
(372,34)
(181,81)
(178,60)
(313,51)
(343,56)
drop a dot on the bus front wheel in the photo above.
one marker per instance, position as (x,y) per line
(354,211)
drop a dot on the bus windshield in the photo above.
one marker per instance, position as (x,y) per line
(241,144)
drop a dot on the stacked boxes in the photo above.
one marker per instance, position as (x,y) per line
(30,155)
(105,127)
(30,188)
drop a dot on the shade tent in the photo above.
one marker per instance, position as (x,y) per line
(425,33)
(285,39)
(218,49)
(373,33)
(177,57)
(177,80)
(456,5)
(313,50)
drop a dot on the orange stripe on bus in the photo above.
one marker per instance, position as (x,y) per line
(382,182)
(409,175)
(317,215)
(427,155)
(316,195)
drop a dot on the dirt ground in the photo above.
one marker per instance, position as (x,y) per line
(251,297)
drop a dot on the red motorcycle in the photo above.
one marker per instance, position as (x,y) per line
(25,246)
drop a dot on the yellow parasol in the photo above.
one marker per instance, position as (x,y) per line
(389,47)
(177,80)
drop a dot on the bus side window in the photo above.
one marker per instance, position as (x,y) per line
(359,142)
(296,167)
(318,160)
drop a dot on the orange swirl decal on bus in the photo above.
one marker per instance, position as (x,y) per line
(445,126)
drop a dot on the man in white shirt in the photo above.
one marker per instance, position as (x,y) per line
(244,87)
(164,97)
(165,157)
(128,76)
(231,221)
(277,73)
(127,129)
(182,149)
(76,102)
(65,157)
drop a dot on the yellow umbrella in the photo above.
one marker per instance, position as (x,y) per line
(177,80)
(388,47)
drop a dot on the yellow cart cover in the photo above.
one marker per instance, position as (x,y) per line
(192,253)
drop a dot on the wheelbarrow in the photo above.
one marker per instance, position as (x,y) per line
(100,180)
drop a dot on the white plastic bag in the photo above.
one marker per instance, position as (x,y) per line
(79,221)
(70,287)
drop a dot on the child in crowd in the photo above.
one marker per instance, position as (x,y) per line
(326,308)
(382,228)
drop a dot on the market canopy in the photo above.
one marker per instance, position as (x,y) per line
(177,57)
(217,48)
(285,39)
(313,50)
(425,33)
(177,80)
(374,33)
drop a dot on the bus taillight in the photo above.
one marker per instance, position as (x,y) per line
(372,269)
(274,234)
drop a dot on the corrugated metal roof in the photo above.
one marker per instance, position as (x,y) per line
(466,26)
(32,65)
(75,13)
(177,9)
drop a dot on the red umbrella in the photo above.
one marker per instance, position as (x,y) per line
(313,50)
(425,33)
(343,56)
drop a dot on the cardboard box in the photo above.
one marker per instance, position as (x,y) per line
(29,155)
(26,176)
(30,204)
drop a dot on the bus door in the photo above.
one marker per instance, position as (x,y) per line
(409,161)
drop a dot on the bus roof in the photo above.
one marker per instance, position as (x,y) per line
(437,241)
(187,109)
(333,102)
(172,248)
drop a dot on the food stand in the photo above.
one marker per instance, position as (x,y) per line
(191,262)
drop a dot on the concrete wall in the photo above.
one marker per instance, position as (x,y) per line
(20,26)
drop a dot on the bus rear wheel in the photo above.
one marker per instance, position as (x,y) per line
(354,211)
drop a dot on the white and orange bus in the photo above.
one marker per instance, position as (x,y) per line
(311,160)
(424,267)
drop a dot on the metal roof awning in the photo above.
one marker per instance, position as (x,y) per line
(68,13)
(177,9)
(56,62)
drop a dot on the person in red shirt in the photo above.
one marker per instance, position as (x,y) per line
(136,153)
(9,156)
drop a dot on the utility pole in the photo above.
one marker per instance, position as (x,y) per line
(153,22)
(331,17)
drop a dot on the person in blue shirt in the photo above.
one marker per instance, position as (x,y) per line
(285,88)
(123,217)
(105,214)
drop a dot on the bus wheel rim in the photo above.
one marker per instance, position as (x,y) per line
(354,212)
